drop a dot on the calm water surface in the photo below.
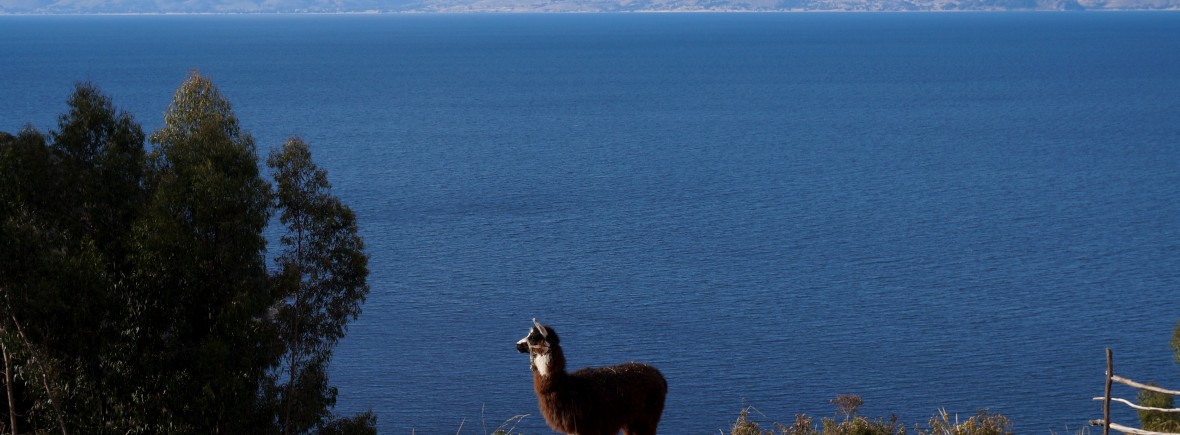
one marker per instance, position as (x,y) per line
(928,210)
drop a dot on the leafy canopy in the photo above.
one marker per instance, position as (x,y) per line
(134,291)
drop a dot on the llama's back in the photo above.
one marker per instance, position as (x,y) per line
(634,391)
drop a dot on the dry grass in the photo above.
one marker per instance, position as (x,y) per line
(982,423)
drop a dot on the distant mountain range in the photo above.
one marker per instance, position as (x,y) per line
(392,6)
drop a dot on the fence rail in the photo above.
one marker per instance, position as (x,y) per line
(1105,422)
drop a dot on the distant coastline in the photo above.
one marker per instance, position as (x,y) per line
(361,7)
(547,12)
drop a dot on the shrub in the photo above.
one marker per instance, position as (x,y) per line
(983,423)
(744,426)
(863,426)
(803,426)
(1157,421)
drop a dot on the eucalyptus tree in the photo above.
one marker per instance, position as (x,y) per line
(65,209)
(203,290)
(103,161)
(134,292)
(31,251)
(321,278)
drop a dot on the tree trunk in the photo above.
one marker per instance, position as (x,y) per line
(294,346)
(8,386)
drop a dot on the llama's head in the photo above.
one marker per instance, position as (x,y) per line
(539,343)
(540,338)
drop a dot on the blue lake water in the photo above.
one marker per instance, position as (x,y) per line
(954,211)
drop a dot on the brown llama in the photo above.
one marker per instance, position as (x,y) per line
(592,401)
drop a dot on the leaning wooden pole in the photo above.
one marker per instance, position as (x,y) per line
(1106,397)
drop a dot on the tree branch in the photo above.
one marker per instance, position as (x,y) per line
(44,378)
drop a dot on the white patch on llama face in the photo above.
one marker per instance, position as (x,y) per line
(541,362)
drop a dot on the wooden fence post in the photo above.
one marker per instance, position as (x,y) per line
(1106,397)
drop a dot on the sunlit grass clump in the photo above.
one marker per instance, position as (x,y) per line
(982,423)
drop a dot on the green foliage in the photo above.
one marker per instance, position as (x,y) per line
(321,280)
(201,268)
(67,201)
(1175,342)
(1157,421)
(364,423)
(134,294)
(102,163)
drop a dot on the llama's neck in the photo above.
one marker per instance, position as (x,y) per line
(548,369)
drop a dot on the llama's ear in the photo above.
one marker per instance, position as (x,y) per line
(541,328)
